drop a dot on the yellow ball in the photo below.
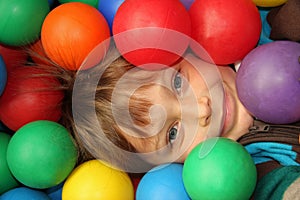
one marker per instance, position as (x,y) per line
(94,180)
(269,3)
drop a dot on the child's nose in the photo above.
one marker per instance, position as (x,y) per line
(204,111)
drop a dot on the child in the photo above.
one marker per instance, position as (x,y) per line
(135,118)
(124,114)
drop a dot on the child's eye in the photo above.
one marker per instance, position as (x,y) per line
(177,82)
(173,133)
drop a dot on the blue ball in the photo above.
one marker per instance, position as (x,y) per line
(3,75)
(24,193)
(162,182)
(187,3)
(51,3)
(55,193)
(266,28)
(108,8)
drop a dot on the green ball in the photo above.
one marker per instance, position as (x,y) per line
(7,181)
(41,154)
(21,20)
(219,168)
(93,3)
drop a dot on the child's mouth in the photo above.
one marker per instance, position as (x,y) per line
(228,113)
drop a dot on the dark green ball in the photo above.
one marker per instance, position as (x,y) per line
(93,3)
(21,20)
(41,154)
(7,181)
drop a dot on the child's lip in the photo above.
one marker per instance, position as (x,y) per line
(228,113)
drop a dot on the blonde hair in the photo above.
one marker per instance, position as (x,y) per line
(92,133)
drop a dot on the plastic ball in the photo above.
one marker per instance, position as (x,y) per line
(266,28)
(269,3)
(41,154)
(70,31)
(219,167)
(55,193)
(13,57)
(51,3)
(3,75)
(96,180)
(7,180)
(227,30)
(24,193)
(152,31)
(109,8)
(268,82)
(21,20)
(28,98)
(162,182)
(93,3)
(187,3)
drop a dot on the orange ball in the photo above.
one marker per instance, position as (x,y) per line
(71,31)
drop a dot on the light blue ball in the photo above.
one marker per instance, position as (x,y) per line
(162,182)
(24,193)
(266,28)
(3,75)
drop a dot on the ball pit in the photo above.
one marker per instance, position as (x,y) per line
(3,75)
(27,98)
(41,154)
(96,180)
(139,43)
(21,20)
(162,182)
(219,167)
(7,180)
(268,82)
(228,34)
(64,34)
(69,51)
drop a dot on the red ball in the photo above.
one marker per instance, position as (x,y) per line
(28,98)
(71,31)
(13,57)
(227,30)
(152,31)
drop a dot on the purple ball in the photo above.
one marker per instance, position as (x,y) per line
(268,82)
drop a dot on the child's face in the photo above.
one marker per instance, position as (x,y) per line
(186,111)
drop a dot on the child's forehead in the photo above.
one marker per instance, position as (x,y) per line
(136,77)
